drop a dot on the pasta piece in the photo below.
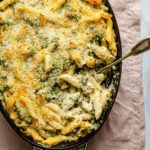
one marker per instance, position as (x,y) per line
(69,101)
(39,57)
(93,81)
(88,12)
(41,121)
(88,89)
(70,138)
(48,60)
(90,19)
(55,124)
(75,5)
(35,135)
(99,77)
(72,80)
(57,5)
(110,37)
(103,14)
(55,108)
(29,106)
(17,73)
(90,62)
(104,97)
(12,115)
(12,100)
(86,116)
(86,106)
(55,140)
(96,2)
(21,32)
(96,98)
(31,32)
(85,125)
(103,53)
(74,124)
(75,55)
(10,80)
(50,114)
(71,70)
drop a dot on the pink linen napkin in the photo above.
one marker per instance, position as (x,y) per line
(125,126)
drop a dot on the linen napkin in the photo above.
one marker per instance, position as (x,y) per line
(125,126)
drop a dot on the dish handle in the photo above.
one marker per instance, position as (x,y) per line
(83,146)
(80,147)
(36,148)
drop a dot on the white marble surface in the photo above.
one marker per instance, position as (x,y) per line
(145,32)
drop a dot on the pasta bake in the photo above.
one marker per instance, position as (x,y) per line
(51,54)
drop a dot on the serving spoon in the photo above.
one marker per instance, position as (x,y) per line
(141,47)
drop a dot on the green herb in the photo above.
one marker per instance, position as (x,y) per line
(50,134)
(61,56)
(2,59)
(101,121)
(56,38)
(65,5)
(87,99)
(1,89)
(83,2)
(68,1)
(3,76)
(93,26)
(75,17)
(80,90)
(102,34)
(34,49)
(73,135)
(5,85)
(109,95)
(1,97)
(69,9)
(38,75)
(92,41)
(29,119)
(66,121)
(81,112)
(91,54)
(36,30)
(43,65)
(83,73)
(42,85)
(40,34)
(84,80)
(74,30)
(93,112)
(100,70)
(105,8)
(58,64)
(27,65)
(13,12)
(9,23)
(42,5)
(59,10)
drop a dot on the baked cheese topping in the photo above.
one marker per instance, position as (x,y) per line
(51,53)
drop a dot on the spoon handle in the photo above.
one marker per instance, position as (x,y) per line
(139,48)
(117,61)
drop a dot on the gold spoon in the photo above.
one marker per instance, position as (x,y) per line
(139,48)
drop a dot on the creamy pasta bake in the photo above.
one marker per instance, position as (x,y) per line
(51,53)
